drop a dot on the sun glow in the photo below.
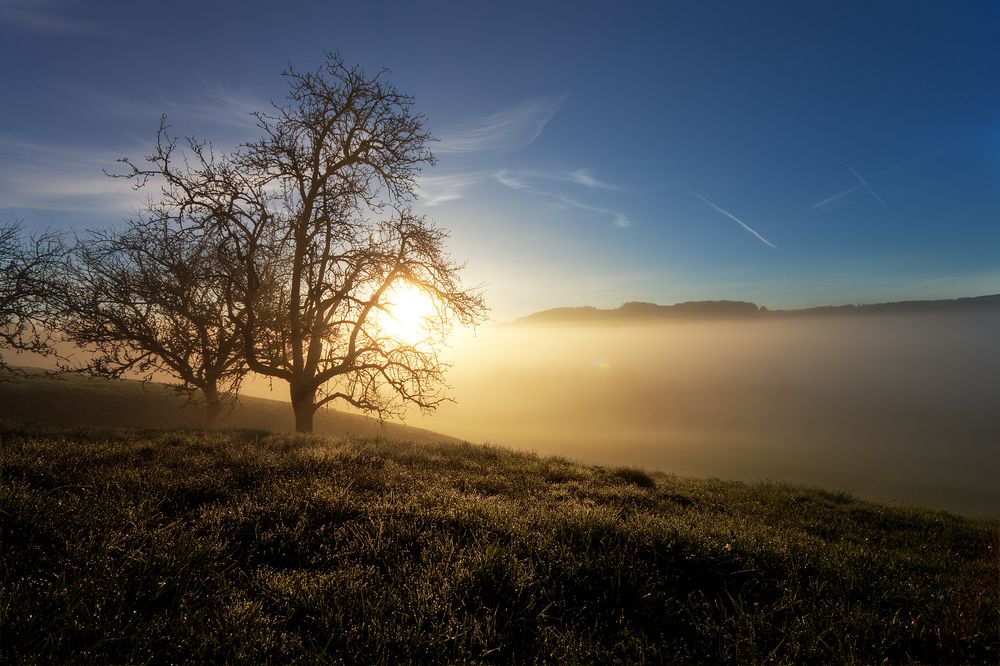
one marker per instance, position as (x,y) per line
(406,313)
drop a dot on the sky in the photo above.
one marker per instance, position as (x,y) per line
(589,153)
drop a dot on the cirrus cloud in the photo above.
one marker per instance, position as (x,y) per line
(502,131)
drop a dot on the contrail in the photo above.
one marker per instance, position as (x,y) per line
(835,197)
(736,220)
(865,184)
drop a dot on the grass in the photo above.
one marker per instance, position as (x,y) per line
(243,546)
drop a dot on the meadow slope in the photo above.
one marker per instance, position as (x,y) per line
(32,395)
(169,546)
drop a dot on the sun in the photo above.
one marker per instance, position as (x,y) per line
(407,309)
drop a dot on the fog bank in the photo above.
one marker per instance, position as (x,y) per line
(899,408)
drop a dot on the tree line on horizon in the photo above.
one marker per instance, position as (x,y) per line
(640,311)
(278,258)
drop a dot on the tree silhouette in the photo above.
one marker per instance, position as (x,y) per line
(151,299)
(318,237)
(26,289)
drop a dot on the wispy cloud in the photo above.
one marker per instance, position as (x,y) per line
(214,105)
(579,177)
(43,17)
(36,174)
(585,178)
(735,219)
(439,189)
(42,176)
(520,183)
(505,178)
(505,130)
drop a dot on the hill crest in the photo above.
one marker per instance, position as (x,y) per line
(36,397)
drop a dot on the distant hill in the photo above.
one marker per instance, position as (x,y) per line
(85,401)
(640,312)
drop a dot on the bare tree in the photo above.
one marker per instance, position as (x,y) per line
(319,241)
(26,287)
(152,300)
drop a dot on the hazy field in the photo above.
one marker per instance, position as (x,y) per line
(896,408)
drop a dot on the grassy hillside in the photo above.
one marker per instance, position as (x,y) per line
(81,400)
(170,546)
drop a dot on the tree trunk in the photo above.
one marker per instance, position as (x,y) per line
(213,408)
(304,405)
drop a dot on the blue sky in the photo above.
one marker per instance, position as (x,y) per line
(788,153)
